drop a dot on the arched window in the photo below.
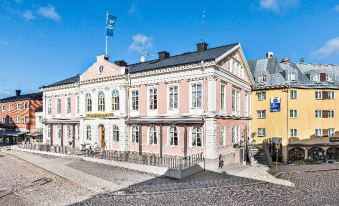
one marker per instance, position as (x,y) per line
(222,135)
(135,134)
(115,133)
(101,102)
(173,136)
(115,100)
(196,137)
(88,132)
(153,135)
(58,106)
(88,103)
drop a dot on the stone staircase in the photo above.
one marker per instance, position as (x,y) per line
(258,156)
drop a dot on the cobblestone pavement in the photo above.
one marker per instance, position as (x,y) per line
(22,183)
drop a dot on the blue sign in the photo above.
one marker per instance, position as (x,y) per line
(275,104)
(110,21)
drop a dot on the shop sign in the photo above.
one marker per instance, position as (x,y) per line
(105,115)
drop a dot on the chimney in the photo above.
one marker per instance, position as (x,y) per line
(102,58)
(121,63)
(18,92)
(163,55)
(302,60)
(269,55)
(285,60)
(202,46)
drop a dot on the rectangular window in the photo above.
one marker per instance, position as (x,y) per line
(25,105)
(3,108)
(222,136)
(196,95)
(58,103)
(10,107)
(135,134)
(235,102)
(330,95)
(246,104)
(135,100)
(49,131)
(59,131)
(330,113)
(68,106)
(49,106)
(329,78)
(235,134)
(173,97)
(10,120)
(153,98)
(18,106)
(293,76)
(294,132)
(318,95)
(261,96)
(69,132)
(26,120)
(4,120)
(318,113)
(261,114)
(293,113)
(78,104)
(222,97)
(318,132)
(293,94)
(261,132)
(196,137)
(331,132)
(18,120)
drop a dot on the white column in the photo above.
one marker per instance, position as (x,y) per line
(211,145)
(212,98)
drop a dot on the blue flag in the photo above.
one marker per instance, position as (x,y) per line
(110,21)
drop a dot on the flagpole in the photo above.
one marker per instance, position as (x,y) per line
(106,33)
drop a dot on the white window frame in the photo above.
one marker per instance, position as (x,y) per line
(4,120)
(68,105)
(101,102)
(293,133)
(115,100)
(10,107)
(318,95)
(318,132)
(236,93)
(59,131)
(69,132)
(88,103)
(294,94)
(293,113)
(174,96)
(26,105)
(222,141)
(3,107)
(88,132)
(194,94)
(152,137)
(49,131)
(235,134)
(10,120)
(49,107)
(261,132)
(115,133)
(135,100)
(318,113)
(195,132)
(18,106)
(18,120)
(331,132)
(261,95)
(135,134)
(223,97)
(78,104)
(152,97)
(330,114)
(331,95)
(172,131)
(25,120)
(58,106)
(261,114)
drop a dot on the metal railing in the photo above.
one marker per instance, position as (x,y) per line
(174,162)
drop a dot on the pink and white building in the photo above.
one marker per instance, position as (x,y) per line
(197,102)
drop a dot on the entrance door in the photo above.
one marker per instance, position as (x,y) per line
(102,143)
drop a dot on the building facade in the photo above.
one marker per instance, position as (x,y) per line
(297,104)
(197,102)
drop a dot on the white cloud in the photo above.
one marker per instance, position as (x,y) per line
(28,15)
(278,5)
(330,48)
(336,8)
(5,93)
(140,43)
(49,12)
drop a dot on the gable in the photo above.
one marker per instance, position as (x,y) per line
(235,63)
(102,68)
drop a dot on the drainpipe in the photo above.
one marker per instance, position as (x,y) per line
(204,111)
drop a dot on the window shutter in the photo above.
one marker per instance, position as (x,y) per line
(324,95)
(325,132)
(325,113)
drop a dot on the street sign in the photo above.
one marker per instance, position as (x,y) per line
(275,104)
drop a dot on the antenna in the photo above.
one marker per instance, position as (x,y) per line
(202,26)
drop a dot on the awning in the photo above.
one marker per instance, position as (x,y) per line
(34,134)
(13,133)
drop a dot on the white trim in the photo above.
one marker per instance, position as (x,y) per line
(174,110)
(196,110)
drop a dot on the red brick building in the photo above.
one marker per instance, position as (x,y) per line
(17,113)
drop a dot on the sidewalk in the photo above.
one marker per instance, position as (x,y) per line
(59,166)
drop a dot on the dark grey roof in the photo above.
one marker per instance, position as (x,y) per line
(65,81)
(33,96)
(182,59)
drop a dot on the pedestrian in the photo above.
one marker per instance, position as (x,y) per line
(221,161)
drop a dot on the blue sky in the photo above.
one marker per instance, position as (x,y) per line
(44,41)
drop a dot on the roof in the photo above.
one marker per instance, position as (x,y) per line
(70,80)
(182,59)
(32,96)
(277,73)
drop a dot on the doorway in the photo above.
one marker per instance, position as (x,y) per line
(102,143)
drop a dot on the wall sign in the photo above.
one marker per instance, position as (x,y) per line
(100,115)
(275,104)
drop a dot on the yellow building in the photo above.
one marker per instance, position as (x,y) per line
(297,104)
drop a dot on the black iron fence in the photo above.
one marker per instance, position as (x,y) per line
(174,162)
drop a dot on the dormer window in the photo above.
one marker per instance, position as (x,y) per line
(293,76)
(316,78)
(329,78)
(262,78)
